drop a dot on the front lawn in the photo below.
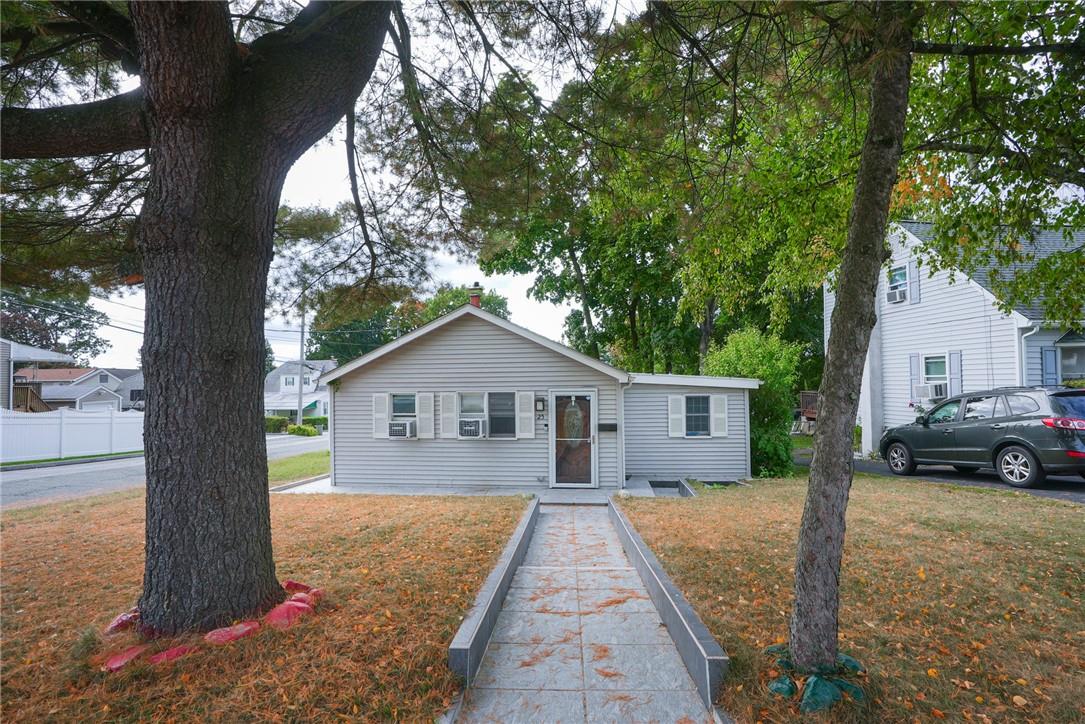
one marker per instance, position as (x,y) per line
(298,467)
(399,573)
(964,604)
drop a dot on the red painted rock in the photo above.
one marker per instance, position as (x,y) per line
(117,662)
(170,654)
(296,586)
(287,613)
(126,620)
(231,633)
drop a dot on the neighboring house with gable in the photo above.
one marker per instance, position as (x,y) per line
(81,388)
(20,395)
(281,388)
(942,334)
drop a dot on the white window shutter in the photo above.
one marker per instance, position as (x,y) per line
(717,406)
(449,414)
(676,416)
(380,415)
(424,402)
(525,414)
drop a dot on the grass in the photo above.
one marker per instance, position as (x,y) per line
(802,442)
(71,457)
(962,603)
(298,467)
(400,573)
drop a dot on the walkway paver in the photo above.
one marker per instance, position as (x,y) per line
(578,639)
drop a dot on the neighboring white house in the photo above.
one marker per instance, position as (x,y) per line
(942,334)
(86,396)
(11,353)
(473,399)
(281,388)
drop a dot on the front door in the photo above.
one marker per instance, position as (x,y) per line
(572,439)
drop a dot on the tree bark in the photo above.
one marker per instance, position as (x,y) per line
(220,151)
(814,618)
(593,348)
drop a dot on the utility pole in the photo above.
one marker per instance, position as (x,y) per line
(301,362)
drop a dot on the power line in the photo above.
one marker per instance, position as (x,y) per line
(70,314)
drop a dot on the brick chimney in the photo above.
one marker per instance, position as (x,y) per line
(476,295)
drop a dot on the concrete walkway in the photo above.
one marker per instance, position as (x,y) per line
(578,639)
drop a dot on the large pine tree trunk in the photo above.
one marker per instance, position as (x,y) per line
(814,618)
(222,137)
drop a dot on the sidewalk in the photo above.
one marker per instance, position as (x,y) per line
(578,639)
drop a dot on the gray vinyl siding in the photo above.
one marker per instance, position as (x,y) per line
(467,354)
(651,453)
(828,302)
(1034,343)
(100,396)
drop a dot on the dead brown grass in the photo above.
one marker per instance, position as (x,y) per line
(964,604)
(399,572)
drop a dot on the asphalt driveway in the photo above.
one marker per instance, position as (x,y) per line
(1059,487)
(37,485)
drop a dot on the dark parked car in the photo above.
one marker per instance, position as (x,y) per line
(1023,432)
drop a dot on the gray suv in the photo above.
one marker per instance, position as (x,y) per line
(1023,432)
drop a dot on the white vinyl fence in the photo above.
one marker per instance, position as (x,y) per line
(68,433)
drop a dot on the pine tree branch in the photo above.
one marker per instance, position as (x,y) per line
(83,129)
(1075,48)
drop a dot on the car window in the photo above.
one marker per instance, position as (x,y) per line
(1001,410)
(979,408)
(1072,404)
(945,413)
(1022,405)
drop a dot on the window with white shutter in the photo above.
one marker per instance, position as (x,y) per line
(676,416)
(380,415)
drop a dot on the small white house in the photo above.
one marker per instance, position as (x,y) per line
(473,399)
(942,334)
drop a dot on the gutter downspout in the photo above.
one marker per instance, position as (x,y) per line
(621,429)
(1022,356)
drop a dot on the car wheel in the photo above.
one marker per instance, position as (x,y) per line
(900,459)
(1019,467)
(965,468)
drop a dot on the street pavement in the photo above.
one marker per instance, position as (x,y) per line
(37,485)
(1059,487)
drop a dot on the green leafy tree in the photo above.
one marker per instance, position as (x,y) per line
(63,324)
(751,353)
(447,298)
(269,358)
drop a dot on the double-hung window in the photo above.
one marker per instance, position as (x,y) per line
(1072,362)
(288,381)
(497,409)
(935,372)
(403,406)
(698,416)
(897,288)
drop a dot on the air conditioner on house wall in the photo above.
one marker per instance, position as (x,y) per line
(402,429)
(896,296)
(929,392)
(472,428)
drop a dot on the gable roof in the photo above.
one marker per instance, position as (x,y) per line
(73,392)
(470,310)
(1045,243)
(320,366)
(121,373)
(95,371)
(58,375)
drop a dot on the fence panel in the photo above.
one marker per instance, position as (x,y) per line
(68,433)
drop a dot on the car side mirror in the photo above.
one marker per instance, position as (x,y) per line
(921,420)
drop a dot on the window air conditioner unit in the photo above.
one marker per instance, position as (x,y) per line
(896,296)
(473,428)
(930,392)
(402,429)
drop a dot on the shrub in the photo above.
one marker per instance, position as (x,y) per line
(303,430)
(750,353)
(314,421)
(274,423)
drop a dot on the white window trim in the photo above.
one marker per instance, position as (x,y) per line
(288,381)
(485,414)
(392,416)
(934,380)
(891,286)
(685,417)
